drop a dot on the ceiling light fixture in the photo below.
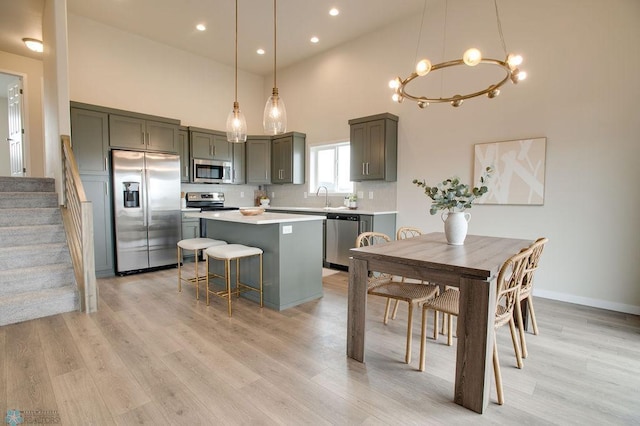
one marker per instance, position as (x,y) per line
(274,119)
(334,12)
(236,123)
(201,27)
(33,44)
(314,39)
(471,57)
(260,51)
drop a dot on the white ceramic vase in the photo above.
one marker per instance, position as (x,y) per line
(455,226)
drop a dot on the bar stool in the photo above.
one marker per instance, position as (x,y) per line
(227,253)
(194,244)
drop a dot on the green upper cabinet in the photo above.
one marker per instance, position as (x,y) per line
(210,145)
(90,139)
(138,133)
(287,158)
(374,148)
(239,172)
(183,146)
(258,156)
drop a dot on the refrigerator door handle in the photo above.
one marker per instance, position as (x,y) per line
(145,190)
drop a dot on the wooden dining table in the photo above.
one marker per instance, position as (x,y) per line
(472,267)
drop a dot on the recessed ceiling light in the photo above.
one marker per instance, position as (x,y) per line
(334,12)
(201,27)
(260,51)
(314,39)
(33,44)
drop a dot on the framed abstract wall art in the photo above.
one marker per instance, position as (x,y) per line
(519,169)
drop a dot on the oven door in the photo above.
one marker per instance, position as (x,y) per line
(211,171)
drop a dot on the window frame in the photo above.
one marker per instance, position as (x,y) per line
(313,166)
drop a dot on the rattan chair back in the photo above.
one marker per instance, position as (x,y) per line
(368,239)
(509,282)
(532,264)
(407,232)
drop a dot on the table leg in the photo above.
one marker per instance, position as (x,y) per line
(357,308)
(475,343)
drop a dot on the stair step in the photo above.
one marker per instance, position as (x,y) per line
(30,216)
(33,255)
(25,306)
(28,199)
(12,236)
(23,280)
(26,184)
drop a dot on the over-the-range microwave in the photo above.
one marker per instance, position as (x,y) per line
(211,171)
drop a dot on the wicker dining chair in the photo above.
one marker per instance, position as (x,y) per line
(383,285)
(526,291)
(508,288)
(403,232)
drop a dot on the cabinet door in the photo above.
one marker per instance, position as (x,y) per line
(258,164)
(183,145)
(96,189)
(358,152)
(222,149)
(162,136)
(282,160)
(374,149)
(126,132)
(238,172)
(210,147)
(90,139)
(201,145)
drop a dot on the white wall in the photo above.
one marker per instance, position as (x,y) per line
(580,95)
(116,69)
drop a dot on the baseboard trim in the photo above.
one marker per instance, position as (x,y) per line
(587,301)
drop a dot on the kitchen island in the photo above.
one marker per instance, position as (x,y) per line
(292,245)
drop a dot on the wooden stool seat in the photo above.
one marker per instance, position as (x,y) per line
(194,244)
(227,253)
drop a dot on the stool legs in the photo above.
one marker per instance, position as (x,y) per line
(239,285)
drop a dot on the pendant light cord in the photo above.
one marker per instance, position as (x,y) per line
(275,49)
(504,46)
(236,81)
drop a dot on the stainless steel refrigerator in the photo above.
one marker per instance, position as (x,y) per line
(146,197)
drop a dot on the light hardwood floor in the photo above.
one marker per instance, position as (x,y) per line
(154,356)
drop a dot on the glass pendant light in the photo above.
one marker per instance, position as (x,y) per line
(274,119)
(236,123)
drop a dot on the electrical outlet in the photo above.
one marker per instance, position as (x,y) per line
(360,195)
(305,194)
(371,195)
(287,229)
(241,194)
(273,195)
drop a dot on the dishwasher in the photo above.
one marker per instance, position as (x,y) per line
(342,231)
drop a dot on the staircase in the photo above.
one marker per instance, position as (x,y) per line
(36,274)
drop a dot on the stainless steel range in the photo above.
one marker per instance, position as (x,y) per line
(207,201)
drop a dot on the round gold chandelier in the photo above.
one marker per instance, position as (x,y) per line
(472,57)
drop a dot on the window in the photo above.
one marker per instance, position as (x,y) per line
(330,167)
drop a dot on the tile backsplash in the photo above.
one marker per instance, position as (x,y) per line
(383,195)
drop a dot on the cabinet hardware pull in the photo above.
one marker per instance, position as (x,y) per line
(363,169)
(106,165)
(144,138)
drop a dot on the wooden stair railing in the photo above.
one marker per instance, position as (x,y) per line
(77,213)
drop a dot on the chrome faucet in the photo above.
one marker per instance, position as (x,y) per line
(326,195)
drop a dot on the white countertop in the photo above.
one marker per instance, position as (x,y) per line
(265,218)
(333,210)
